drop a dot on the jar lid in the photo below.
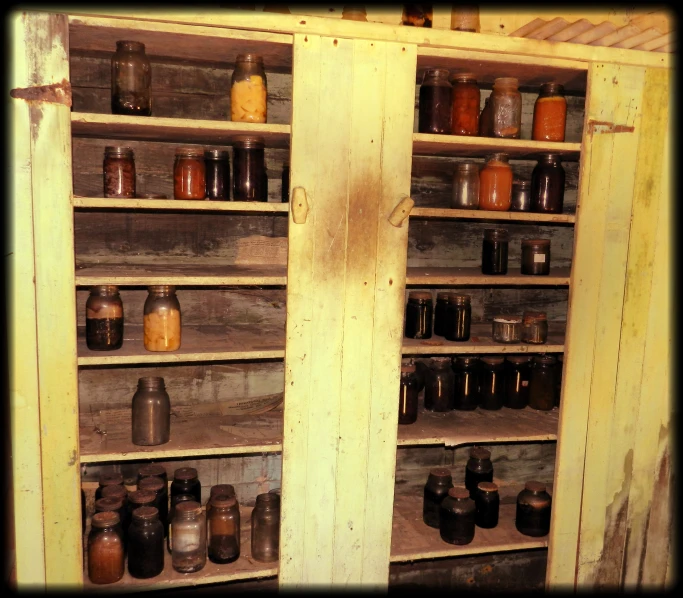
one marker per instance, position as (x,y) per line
(152,483)
(466,165)
(534,486)
(109,479)
(248,142)
(492,360)
(442,473)
(151,196)
(508,319)
(522,183)
(457,299)
(104,289)
(151,382)
(223,501)
(121,150)
(215,154)
(496,234)
(109,503)
(506,82)
(249,58)
(552,87)
(487,487)
(437,72)
(458,492)
(545,359)
(105,519)
(549,157)
(227,489)
(419,296)
(498,157)
(161,288)
(534,316)
(441,361)
(519,359)
(462,77)
(443,295)
(479,452)
(141,496)
(145,513)
(542,243)
(188,507)
(115,491)
(466,359)
(269,499)
(408,369)
(152,469)
(185,473)
(190,151)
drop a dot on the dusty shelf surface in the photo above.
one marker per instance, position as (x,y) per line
(454,214)
(112,203)
(418,275)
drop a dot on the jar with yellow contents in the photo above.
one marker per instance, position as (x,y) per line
(248,91)
(161,323)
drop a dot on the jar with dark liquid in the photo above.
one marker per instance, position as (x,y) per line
(153,470)
(547,185)
(186,481)
(408,391)
(535,257)
(104,319)
(506,108)
(535,327)
(156,485)
(435,490)
(542,383)
(440,385)
(145,544)
(421,371)
(265,528)
(465,109)
(494,252)
(106,557)
(151,413)
(487,502)
(533,510)
(284,191)
(457,517)
(558,379)
(466,373)
(118,169)
(492,383)
(440,314)
(217,164)
(550,113)
(486,119)
(436,93)
(140,498)
(223,529)
(249,169)
(188,537)
(479,468)
(517,376)
(520,200)
(131,80)
(189,173)
(108,479)
(459,318)
(419,315)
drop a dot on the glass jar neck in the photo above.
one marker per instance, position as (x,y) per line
(161,291)
(130,46)
(551,89)
(505,84)
(549,159)
(436,76)
(152,383)
(105,291)
(268,501)
(497,160)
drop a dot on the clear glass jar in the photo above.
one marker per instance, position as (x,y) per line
(106,555)
(506,108)
(419,312)
(466,371)
(465,186)
(440,385)
(495,183)
(249,169)
(494,251)
(223,529)
(459,318)
(156,485)
(465,107)
(520,200)
(265,528)
(408,394)
(457,517)
(188,537)
(547,185)
(435,490)
(535,257)
(248,90)
(550,113)
(162,319)
(479,468)
(189,173)
(118,169)
(104,319)
(507,329)
(217,164)
(517,377)
(486,119)
(535,327)
(131,80)
(492,383)
(151,412)
(542,384)
(533,510)
(145,544)
(434,112)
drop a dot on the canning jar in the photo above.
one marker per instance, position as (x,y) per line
(466,374)
(145,544)
(162,320)
(520,200)
(550,113)
(558,379)
(494,251)
(487,501)
(465,186)
(495,183)
(131,80)
(175,500)
(506,108)
(436,489)
(160,489)
(547,185)
(542,383)
(459,317)
(439,385)
(465,108)
(434,112)
(217,164)
(249,169)
(419,315)
(265,528)
(104,318)
(188,537)
(533,510)
(534,327)
(517,376)
(152,470)
(492,383)
(223,529)
(186,481)
(116,491)
(479,468)
(507,329)
(486,119)
(535,257)
(189,173)
(456,517)
(284,190)
(105,548)
(248,90)
(118,168)
(440,313)
(151,412)
(108,479)
(407,398)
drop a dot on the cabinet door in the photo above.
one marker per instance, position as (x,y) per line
(352,123)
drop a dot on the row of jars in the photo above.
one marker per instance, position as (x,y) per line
(139,525)
(450,105)
(131,84)
(494,254)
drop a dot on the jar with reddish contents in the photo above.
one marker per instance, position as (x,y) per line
(119,172)
(189,173)
(105,548)
(506,108)
(466,100)
(550,113)
(495,183)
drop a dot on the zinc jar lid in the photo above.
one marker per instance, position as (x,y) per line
(249,58)
(419,296)
(141,497)
(226,489)
(442,473)
(109,503)
(105,519)
(534,316)
(479,452)
(145,513)
(152,483)
(215,154)
(151,382)
(152,469)
(534,486)
(110,479)
(248,142)
(185,473)
(492,360)
(487,487)
(188,151)
(459,492)
(552,87)
(545,359)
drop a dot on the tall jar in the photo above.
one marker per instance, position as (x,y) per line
(506,108)
(118,169)
(542,383)
(189,173)
(151,412)
(188,537)
(131,80)
(466,373)
(156,485)
(104,318)
(419,315)
(459,318)
(494,251)
(248,90)
(162,319)
(435,490)
(175,501)
(547,185)
(550,113)
(105,548)
(436,93)
(440,385)
(145,544)
(486,119)
(140,498)
(457,517)
(465,186)
(533,510)
(108,479)
(495,183)
(119,493)
(520,200)
(186,481)
(535,327)
(407,398)
(517,377)
(487,501)
(479,468)
(440,312)
(223,529)
(217,164)
(492,383)
(249,169)
(265,528)
(465,109)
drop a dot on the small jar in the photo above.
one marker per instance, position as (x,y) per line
(457,517)
(495,183)
(465,186)
(152,470)
(507,329)
(131,80)
(186,481)
(536,257)
(494,251)
(151,412)
(189,173)
(108,479)
(284,190)
(520,200)
(104,319)
(466,374)
(440,385)
(558,379)
(419,315)
(145,544)
(223,529)
(115,504)
(542,383)
(487,501)
(248,90)
(547,185)
(249,169)
(188,537)
(533,510)
(486,119)
(465,107)
(435,490)
(162,319)
(479,468)
(160,489)
(535,327)
(217,166)
(118,168)
(226,490)
(105,548)
(550,113)
(436,94)
(265,528)
(517,377)
(407,398)
(440,313)
(492,383)
(506,108)
(459,318)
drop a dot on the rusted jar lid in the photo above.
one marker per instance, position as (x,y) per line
(152,483)
(140,497)
(115,491)
(189,152)
(215,154)
(552,88)
(466,165)
(507,319)
(223,501)
(506,82)
(459,492)
(534,486)
(534,316)
(539,243)
(145,513)
(496,234)
(105,519)
(457,299)
(419,296)
(151,196)
(152,469)
(188,507)
(522,184)
(185,473)
(248,142)
(519,359)
(111,479)
(443,295)
(545,359)
(249,58)
(226,489)
(498,157)
(119,151)
(479,452)
(109,503)
(442,473)
(463,78)
(408,368)
(492,360)
(487,487)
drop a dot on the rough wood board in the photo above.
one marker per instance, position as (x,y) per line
(101,203)
(473,276)
(454,214)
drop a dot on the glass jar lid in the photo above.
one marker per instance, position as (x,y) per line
(109,503)
(443,473)
(185,473)
(215,154)
(419,296)
(248,142)
(110,479)
(534,486)
(189,152)
(145,514)
(141,497)
(105,519)
(249,58)
(479,452)
(492,360)
(487,487)
(458,492)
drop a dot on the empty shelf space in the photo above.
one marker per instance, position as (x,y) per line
(473,276)
(110,203)
(453,214)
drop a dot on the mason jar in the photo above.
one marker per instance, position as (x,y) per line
(186,481)
(408,394)
(466,371)
(435,490)
(547,185)
(419,315)
(131,80)
(145,544)
(151,412)
(217,165)
(248,90)
(440,312)
(162,319)
(104,318)
(520,198)
(506,108)
(188,537)
(189,173)
(550,113)
(106,557)
(517,377)
(156,485)
(494,251)
(465,194)
(485,119)
(457,517)
(495,183)
(507,329)
(459,318)
(265,528)
(249,169)
(112,478)
(532,517)
(479,468)
(534,327)
(542,384)
(492,383)
(436,93)
(465,107)
(223,529)
(440,385)
(535,257)
(118,168)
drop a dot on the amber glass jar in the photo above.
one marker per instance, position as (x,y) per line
(506,108)
(520,200)
(494,251)
(533,510)
(459,318)
(486,119)
(265,528)
(492,383)
(536,257)
(466,186)
(517,376)
(151,412)
(507,329)
(558,379)
(249,169)
(189,173)
(188,537)
(223,529)
(479,468)
(487,501)
(118,168)
(440,385)
(440,313)
(466,373)
(457,517)
(419,315)
(407,398)
(152,470)
(108,479)
(162,319)
(495,183)
(465,109)
(156,485)
(145,544)
(550,113)
(284,190)
(535,327)
(542,383)
(186,481)
(106,555)
(217,164)
(248,90)
(435,490)
(436,93)
(547,185)
(104,319)
(131,80)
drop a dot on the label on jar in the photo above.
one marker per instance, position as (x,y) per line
(525,383)
(539,258)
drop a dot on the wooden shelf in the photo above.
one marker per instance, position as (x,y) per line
(473,277)
(453,214)
(108,203)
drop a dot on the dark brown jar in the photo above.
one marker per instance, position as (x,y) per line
(536,257)
(466,373)
(189,173)
(517,376)
(479,468)
(550,113)
(487,501)
(106,556)
(284,191)
(115,492)
(104,319)
(156,485)
(249,169)
(459,318)
(153,470)
(108,479)
(186,481)
(542,383)
(520,200)
(419,315)
(494,252)
(440,313)
(486,119)
(115,504)
(145,544)
(465,107)
(457,517)
(558,379)
(436,93)
(118,168)
(533,510)
(140,498)
(265,528)
(151,413)
(492,383)
(440,385)
(547,185)
(217,164)
(226,490)
(408,391)
(535,327)
(435,490)
(131,80)
(223,530)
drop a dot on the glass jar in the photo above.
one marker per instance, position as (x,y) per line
(186,481)
(162,319)
(407,398)
(217,166)
(248,90)
(558,379)
(547,185)
(459,318)
(188,537)
(440,313)
(486,119)
(145,544)
(487,501)
(479,468)
(265,528)
(520,200)
(131,80)
(440,385)
(226,490)
(542,383)
(466,374)
(175,500)
(435,490)
(550,113)
(517,376)
(495,183)
(249,169)
(105,548)
(284,190)
(152,470)
(507,329)
(419,315)
(118,168)
(156,485)
(492,383)
(533,510)
(104,319)
(116,491)
(494,251)
(506,108)
(108,479)
(465,108)
(223,529)
(535,257)
(151,412)
(465,186)
(189,173)
(436,94)
(535,327)
(457,517)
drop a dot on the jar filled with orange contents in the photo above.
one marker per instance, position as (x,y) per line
(506,108)
(161,323)
(248,91)
(550,113)
(466,100)
(495,183)
(189,173)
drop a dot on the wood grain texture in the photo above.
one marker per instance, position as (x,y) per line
(454,214)
(473,276)
(100,203)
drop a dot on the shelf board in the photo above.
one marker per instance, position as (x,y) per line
(453,214)
(198,343)
(418,275)
(178,130)
(109,203)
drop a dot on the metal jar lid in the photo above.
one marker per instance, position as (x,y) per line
(215,154)
(119,151)
(105,519)
(466,360)
(151,483)
(521,184)
(463,78)
(226,489)
(507,319)
(140,497)
(152,469)
(498,157)
(248,142)
(519,359)
(223,501)
(110,479)
(459,492)
(487,487)
(466,166)
(161,288)
(479,452)
(492,360)
(105,289)
(536,243)
(109,503)
(189,152)
(188,507)
(408,369)
(116,491)
(145,514)
(442,473)
(437,72)
(534,486)
(185,473)
(456,299)
(545,359)
(443,295)
(419,296)
(496,234)
(552,88)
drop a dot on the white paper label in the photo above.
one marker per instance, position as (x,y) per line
(539,258)
(525,383)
